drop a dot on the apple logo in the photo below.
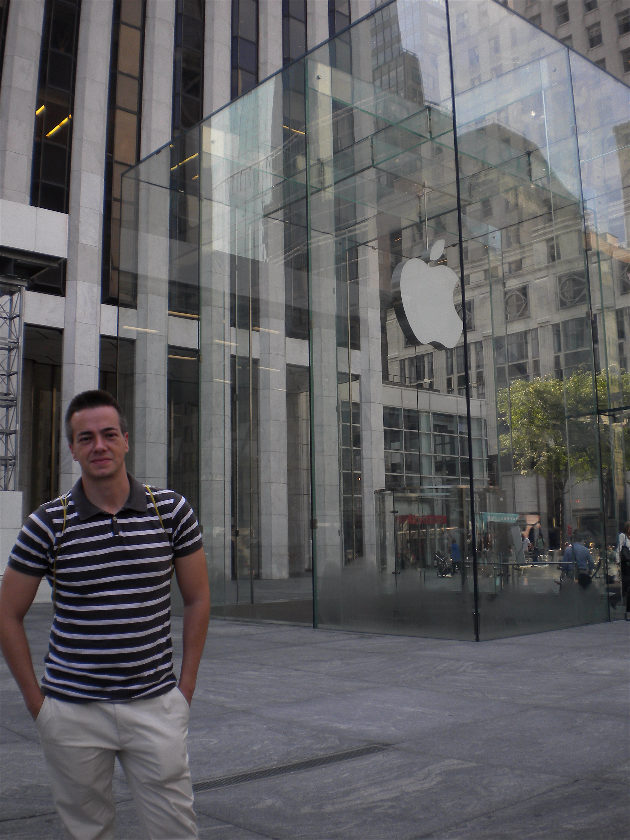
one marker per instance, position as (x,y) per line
(426,312)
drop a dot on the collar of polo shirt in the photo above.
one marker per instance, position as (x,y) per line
(137,499)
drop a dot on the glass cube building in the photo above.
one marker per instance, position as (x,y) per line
(379,306)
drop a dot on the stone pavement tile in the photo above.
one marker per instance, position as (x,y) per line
(567,746)
(235,687)
(243,742)
(36,827)
(384,714)
(598,810)
(24,788)
(128,827)
(386,795)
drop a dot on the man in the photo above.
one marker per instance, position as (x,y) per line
(108,549)
(578,557)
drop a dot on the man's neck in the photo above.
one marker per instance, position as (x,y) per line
(108,494)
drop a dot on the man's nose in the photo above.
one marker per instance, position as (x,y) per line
(99,442)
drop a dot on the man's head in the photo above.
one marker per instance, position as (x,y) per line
(97,436)
(92,399)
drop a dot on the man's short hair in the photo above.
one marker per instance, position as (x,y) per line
(92,399)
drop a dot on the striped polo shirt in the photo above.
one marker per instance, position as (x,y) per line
(111,632)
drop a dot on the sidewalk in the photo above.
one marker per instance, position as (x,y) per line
(300,734)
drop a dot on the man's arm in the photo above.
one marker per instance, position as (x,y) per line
(16,596)
(192,579)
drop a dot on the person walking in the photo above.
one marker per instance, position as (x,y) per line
(108,549)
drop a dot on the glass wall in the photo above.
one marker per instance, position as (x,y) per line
(413,296)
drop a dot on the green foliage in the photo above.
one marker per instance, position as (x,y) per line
(550,426)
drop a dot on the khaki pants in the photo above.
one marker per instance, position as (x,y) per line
(82,740)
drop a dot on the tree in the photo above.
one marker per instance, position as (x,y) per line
(550,427)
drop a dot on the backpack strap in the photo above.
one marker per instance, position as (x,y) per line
(148,489)
(55,551)
(168,536)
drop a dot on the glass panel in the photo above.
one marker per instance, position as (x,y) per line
(351,432)
(520,171)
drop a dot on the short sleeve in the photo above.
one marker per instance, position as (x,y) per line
(32,550)
(186,533)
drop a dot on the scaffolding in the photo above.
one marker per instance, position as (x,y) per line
(11,330)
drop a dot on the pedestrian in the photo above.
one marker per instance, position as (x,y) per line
(623,548)
(581,559)
(108,549)
(456,556)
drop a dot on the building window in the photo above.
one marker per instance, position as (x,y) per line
(4,17)
(572,340)
(601,63)
(50,178)
(536,20)
(621,270)
(516,303)
(340,47)
(561,11)
(594,35)
(571,289)
(590,5)
(568,41)
(625,60)
(293,30)
(350,414)
(188,64)
(623,22)
(183,422)
(42,273)
(552,250)
(244,293)
(123,139)
(511,354)
(417,371)
(244,46)
(40,415)
(338,16)
(470,314)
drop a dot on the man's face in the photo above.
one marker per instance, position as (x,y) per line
(98,444)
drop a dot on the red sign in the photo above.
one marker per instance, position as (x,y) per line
(427,519)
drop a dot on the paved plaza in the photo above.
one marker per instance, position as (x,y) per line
(301,734)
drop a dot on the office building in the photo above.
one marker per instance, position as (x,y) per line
(598,29)
(373,305)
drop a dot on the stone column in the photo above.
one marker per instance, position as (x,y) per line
(372,442)
(215,345)
(217,56)
(327,536)
(316,23)
(85,223)
(151,422)
(18,99)
(270,38)
(272,417)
